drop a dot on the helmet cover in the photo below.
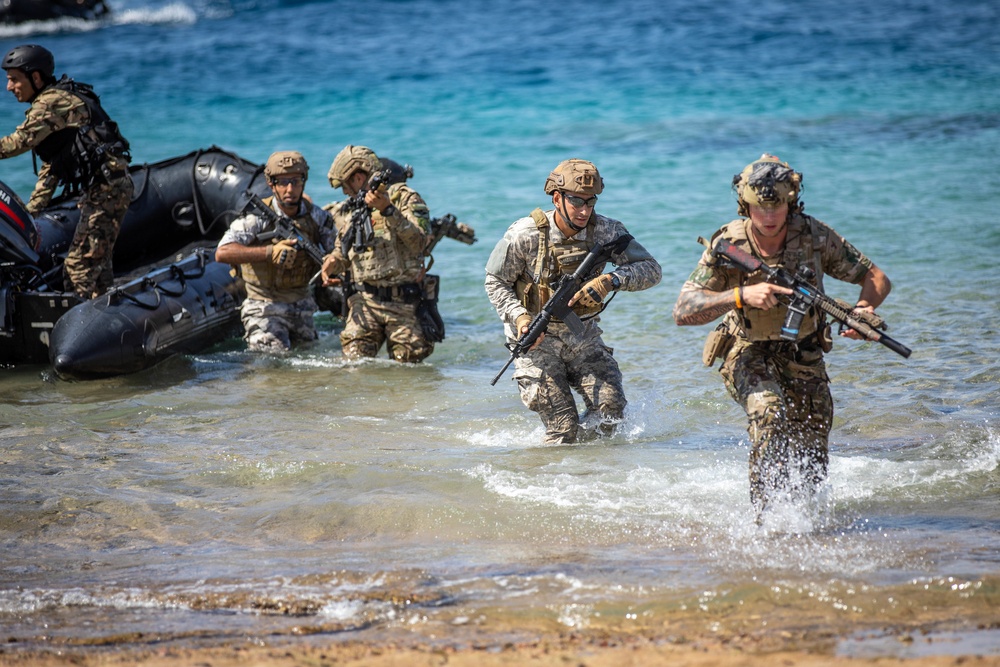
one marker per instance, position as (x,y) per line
(286,162)
(767,180)
(350,160)
(575,175)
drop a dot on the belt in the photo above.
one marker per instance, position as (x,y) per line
(790,349)
(407,292)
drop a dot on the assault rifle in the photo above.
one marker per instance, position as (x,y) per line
(283,227)
(558,303)
(448,225)
(805,296)
(361,234)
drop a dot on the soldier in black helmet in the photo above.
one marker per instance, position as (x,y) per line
(82,150)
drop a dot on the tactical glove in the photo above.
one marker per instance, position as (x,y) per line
(521,322)
(283,253)
(594,291)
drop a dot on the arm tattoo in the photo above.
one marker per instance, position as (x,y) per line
(697,305)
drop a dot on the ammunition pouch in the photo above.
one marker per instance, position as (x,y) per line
(427,311)
(532,295)
(718,344)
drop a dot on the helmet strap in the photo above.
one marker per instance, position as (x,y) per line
(35,89)
(565,214)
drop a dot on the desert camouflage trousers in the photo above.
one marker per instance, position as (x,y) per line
(548,375)
(88,270)
(271,326)
(371,322)
(786,395)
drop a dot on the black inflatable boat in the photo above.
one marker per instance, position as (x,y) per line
(183,302)
(19,11)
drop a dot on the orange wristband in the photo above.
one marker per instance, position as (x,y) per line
(736,295)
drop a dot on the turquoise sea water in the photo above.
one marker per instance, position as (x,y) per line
(213,494)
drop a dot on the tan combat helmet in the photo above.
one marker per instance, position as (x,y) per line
(767,180)
(350,160)
(575,175)
(286,162)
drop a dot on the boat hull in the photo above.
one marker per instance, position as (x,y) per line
(177,204)
(181,308)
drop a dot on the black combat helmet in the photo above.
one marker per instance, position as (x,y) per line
(31,58)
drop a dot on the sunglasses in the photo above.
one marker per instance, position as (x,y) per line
(580,202)
(294,181)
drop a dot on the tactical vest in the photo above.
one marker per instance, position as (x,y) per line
(264,278)
(388,260)
(553,262)
(76,155)
(801,249)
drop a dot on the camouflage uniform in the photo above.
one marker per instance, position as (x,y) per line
(104,201)
(782,385)
(279,308)
(386,278)
(563,362)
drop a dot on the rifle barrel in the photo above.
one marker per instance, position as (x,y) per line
(503,370)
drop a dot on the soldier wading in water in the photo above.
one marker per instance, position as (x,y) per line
(523,271)
(279,307)
(383,265)
(782,385)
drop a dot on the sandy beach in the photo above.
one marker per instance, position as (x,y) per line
(786,638)
(542,654)
(555,651)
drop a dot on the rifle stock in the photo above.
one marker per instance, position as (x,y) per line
(804,296)
(558,303)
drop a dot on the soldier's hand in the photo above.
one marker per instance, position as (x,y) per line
(763,295)
(377,199)
(521,326)
(593,291)
(848,332)
(283,252)
(327,272)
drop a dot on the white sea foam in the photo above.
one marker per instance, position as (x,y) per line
(171,13)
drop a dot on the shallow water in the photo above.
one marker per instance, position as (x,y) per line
(226,495)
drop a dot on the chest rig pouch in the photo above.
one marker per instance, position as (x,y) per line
(553,262)
(802,248)
(270,276)
(387,259)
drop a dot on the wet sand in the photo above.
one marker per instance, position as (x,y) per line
(784,639)
(541,654)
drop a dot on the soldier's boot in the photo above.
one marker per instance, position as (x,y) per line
(769,467)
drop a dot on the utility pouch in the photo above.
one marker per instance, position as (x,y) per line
(427,311)
(717,345)
(825,337)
